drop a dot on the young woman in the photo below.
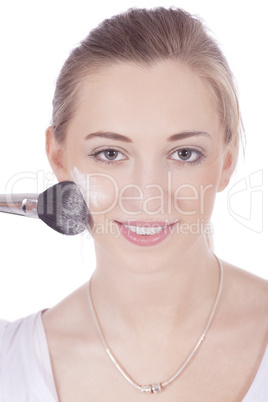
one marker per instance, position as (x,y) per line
(146,121)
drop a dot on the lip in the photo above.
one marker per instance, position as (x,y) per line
(145,240)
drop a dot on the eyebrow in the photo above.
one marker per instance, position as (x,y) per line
(187,134)
(119,137)
(109,135)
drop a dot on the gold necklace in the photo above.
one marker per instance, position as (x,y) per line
(157,387)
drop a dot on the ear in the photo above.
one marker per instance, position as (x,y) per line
(55,154)
(229,163)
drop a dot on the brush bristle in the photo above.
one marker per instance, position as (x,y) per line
(63,208)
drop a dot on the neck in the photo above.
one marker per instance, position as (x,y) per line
(156,302)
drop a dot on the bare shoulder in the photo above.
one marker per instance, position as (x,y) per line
(246,296)
(253,287)
(68,315)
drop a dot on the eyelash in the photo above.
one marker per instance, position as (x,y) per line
(96,156)
(199,159)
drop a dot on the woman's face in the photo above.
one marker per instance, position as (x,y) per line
(146,147)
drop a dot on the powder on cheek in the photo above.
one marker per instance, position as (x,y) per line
(99,192)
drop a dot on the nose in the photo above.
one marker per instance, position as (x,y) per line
(147,192)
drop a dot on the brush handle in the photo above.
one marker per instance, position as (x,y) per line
(19,204)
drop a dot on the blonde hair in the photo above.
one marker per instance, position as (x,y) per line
(145,36)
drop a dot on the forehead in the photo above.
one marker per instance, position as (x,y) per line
(128,98)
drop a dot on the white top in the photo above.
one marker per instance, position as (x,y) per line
(26,372)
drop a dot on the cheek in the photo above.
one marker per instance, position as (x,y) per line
(100,191)
(195,197)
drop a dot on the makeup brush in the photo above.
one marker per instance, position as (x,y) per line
(62,207)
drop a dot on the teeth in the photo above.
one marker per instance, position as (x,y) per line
(144,231)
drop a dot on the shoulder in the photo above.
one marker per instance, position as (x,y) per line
(245,302)
(246,289)
(258,390)
(12,337)
(3,325)
(13,329)
(241,327)
(11,351)
(69,316)
(68,323)
(24,360)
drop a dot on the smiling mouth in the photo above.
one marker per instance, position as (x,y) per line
(145,231)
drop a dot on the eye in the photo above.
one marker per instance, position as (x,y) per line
(108,155)
(187,155)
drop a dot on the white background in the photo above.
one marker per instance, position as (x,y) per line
(39,267)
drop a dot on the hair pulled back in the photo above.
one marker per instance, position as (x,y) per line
(146,36)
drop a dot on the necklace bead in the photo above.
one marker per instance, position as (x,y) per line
(156,388)
(146,389)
